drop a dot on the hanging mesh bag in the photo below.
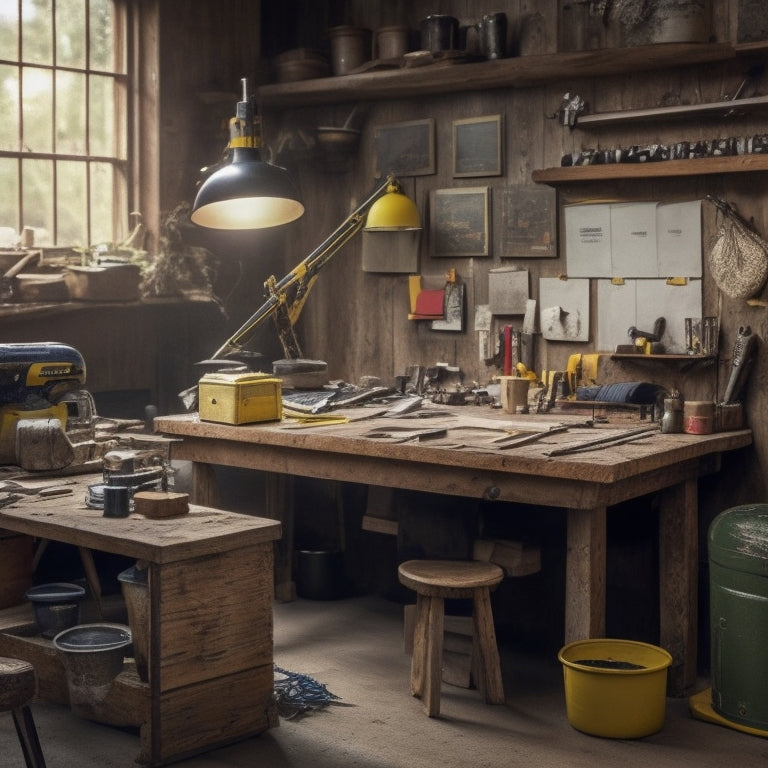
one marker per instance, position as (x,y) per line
(738,259)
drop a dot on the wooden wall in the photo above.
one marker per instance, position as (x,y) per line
(357,320)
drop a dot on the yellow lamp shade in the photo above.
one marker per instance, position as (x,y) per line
(394,211)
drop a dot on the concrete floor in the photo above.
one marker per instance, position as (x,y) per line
(355,647)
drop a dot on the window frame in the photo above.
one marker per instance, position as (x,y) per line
(122,163)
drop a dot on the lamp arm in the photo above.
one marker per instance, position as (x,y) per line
(303,275)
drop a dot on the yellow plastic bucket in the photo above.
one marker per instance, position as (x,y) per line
(615,688)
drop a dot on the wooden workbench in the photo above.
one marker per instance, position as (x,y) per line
(210,665)
(464,462)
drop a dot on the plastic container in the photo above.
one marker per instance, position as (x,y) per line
(135,589)
(320,574)
(738,578)
(615,688)
(56,606)
(92,656)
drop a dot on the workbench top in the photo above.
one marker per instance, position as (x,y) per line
(468,436)
(66,518)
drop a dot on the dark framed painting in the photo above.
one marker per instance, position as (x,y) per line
(460,222)
(405,149)
(529,222)
(477,146)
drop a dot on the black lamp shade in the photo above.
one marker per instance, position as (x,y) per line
(247,194)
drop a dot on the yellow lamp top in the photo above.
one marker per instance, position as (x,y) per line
(393,211)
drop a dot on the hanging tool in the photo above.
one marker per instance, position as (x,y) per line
(744,352)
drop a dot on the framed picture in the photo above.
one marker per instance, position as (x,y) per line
(405,149)
(477,146)
(460,222)
(529,222)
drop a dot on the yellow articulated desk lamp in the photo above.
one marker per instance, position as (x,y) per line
(249,193)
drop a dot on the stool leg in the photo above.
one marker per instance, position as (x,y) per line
(418,656)
(30,744)
(488,666)
(427,663)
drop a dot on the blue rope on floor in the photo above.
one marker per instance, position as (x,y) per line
(297,693)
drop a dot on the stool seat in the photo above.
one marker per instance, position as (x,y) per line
(18,685)
(434,581)
(448,578)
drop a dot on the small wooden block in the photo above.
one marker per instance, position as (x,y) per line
(159,504)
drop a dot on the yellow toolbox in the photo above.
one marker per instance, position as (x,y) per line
(240,398)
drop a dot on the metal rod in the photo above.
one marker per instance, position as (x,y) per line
(305,269)
(604,442)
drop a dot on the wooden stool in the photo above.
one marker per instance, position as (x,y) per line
(18,683)
(434,581)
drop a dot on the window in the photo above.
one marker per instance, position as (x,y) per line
(63,98)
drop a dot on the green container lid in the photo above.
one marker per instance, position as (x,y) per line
(738,539)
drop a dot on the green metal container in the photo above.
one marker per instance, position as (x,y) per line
(738,580)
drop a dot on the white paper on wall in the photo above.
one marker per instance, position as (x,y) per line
(639,303)
(634,240)
(678,238)
(588,240)
(564,309)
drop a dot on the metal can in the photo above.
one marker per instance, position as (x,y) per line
(699,417)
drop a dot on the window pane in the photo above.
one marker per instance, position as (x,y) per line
(102,181)
(70,113)
(36,31)
(72,204)
(37,110)
(9,204)
(37,199)
(70,33)
(9,108)
(9,30)
(65,102)
(102,122)
(103,46)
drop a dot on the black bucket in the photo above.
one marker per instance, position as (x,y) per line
(320,574)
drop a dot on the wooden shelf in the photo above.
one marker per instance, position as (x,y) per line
(723,109)
(679,358)
(518,72)
(662,169)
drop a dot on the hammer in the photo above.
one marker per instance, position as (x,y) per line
(655,335)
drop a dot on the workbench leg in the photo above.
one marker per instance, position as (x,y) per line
(278,491)
(585,574)
(205,487)
(678,583)
(92,577)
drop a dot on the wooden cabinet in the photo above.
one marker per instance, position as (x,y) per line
(210,665)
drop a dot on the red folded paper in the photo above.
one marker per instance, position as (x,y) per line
(431,303)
